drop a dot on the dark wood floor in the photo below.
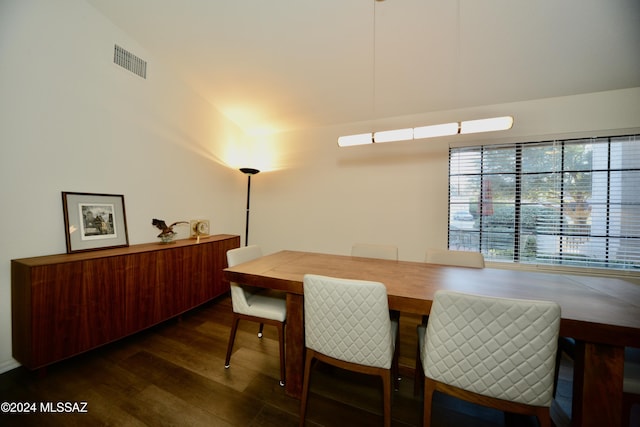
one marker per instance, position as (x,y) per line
(173,375)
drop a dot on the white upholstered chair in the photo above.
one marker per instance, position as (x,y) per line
(255,304)
(390,252)
(457,258)
(367,250)
(445,257)
(496,352)
(347,324)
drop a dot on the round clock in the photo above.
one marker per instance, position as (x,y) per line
(202,227)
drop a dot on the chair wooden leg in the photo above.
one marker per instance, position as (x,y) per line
(386,393)
(395,316)
(544,417)
(418,376)
(305,386)
(281,345)
(556,372)
(260,330)
(429,388)
(395,367)
(626,411)
(232,338)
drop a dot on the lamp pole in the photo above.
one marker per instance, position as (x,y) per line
(248,172)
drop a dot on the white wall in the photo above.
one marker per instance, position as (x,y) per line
(71,120)
(325,198)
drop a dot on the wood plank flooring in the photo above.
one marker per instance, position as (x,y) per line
(173,375)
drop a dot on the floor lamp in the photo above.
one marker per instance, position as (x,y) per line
(248,172)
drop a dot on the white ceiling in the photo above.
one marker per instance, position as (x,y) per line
(286,64)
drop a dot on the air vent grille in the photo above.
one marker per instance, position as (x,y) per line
(129,61)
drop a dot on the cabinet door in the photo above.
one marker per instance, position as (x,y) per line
(103,313)
(77,306)
(143,303)
(170,281)
(206,262)
(56,298)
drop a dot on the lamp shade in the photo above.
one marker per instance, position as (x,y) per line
(249,171)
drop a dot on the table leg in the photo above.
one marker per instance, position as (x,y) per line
(294,352)
(597,385)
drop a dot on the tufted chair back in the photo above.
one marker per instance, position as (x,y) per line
(240,295)
(348,320)
(347,324)
(502,348)
(496,348)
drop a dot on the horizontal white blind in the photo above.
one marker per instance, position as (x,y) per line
(569,202)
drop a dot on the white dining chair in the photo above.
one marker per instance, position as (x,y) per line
(347,324)
(379,251)
(368,250)
(254,304)
(495,352)
(452,258)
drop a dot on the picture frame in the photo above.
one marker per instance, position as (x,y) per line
(94,221)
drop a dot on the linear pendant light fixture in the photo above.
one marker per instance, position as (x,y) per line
(470,126)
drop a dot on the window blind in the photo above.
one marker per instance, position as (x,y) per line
(565,202)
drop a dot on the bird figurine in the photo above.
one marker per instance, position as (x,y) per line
(167,232)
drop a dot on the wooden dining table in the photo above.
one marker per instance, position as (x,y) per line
(601,314)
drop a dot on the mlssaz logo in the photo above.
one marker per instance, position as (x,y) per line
(80,407)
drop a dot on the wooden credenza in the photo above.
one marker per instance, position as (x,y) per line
(63,305)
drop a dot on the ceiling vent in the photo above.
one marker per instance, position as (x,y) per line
(129,61)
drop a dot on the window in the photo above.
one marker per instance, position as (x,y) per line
(570,202)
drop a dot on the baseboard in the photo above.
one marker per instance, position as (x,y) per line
(8,365)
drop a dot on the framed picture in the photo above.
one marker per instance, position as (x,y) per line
(94,221)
